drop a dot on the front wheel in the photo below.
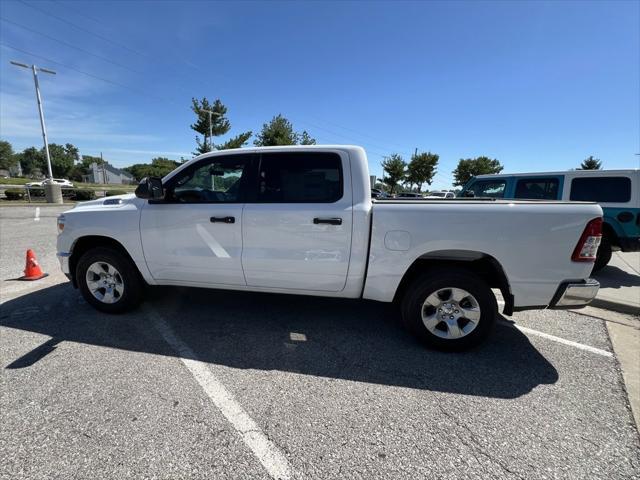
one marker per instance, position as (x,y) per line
(449,309)
(108,280)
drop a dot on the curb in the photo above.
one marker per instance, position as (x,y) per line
(615,306)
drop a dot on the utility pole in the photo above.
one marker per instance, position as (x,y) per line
(210,112)
(35,70)
(104,170)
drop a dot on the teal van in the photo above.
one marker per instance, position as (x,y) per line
(617,192)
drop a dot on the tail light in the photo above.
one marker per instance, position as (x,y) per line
(587,248)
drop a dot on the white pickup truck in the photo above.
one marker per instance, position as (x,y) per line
(300,220)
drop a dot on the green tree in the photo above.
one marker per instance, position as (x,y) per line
(279,131)
(236,142)
(305,139)
(32,161)
(218,126)
(422,168)
(394,168)
(63,158)
(469,167)
(591,163)
(159,167)
(7,157)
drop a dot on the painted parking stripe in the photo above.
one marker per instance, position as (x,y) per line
(264,449)
(37,217)
(564,341)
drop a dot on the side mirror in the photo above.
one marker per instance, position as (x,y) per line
(151,188)
(469,193)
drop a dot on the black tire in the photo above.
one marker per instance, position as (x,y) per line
(604,254)
(445,278)
(128,276)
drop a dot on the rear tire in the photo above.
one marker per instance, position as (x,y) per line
(604,254)
(109,281)
(449,309)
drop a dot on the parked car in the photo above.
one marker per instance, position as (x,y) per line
(63,182)
(300,220)
(442,194)
(617,192)
(377,193)
(409,196)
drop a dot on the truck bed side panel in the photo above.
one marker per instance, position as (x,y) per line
(532,241)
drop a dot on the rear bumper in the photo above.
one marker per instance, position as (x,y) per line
(575,294)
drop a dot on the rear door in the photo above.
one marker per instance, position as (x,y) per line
(297,226)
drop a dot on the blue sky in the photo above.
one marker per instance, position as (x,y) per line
(538,85)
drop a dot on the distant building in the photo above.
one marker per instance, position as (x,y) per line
(106,173)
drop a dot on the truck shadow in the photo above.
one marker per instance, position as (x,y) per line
(614,277)
(342,339)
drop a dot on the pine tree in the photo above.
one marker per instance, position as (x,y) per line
(591,164)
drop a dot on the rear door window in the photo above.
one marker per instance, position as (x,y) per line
(601,189)
(300,177)
(488,188)
(537,188)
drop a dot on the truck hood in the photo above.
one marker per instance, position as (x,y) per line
(107,203)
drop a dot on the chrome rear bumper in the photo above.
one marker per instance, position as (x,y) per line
(575,294)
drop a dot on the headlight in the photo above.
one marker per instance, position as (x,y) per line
(61,221)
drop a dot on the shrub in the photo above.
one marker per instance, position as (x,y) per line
(14,194)
(36,191)
(81,195)
(111,193)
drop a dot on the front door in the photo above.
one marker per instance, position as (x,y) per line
(195,234)
(297,226)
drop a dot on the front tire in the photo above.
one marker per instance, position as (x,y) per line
(449,309)
(108,280)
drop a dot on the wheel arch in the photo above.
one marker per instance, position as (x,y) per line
(609,230)
(86,243)
(482,264)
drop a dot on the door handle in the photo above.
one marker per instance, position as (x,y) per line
(328,221)
(223,219)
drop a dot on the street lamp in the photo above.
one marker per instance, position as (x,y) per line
(35,70)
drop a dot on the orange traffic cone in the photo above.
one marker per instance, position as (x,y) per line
(32,270)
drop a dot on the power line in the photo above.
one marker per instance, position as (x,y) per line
(85,73)
(77,13)
(438,174)
(105,59)
(64,20)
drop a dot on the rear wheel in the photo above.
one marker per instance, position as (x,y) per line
(108,280)
(604,254)
(449,309)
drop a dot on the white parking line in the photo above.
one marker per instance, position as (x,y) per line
(37,217)
(564,341)
(264,449)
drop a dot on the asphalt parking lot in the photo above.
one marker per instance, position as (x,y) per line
(212,384)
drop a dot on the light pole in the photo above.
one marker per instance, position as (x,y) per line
(35,69)
(210,112)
